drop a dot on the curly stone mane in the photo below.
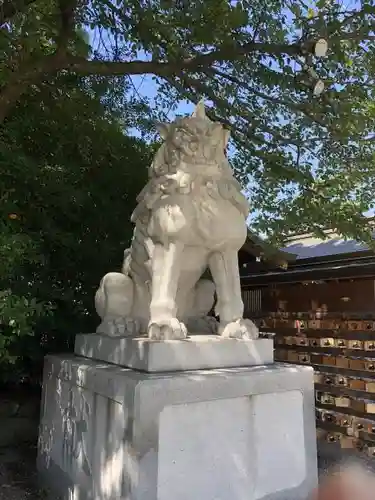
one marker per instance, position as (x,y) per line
(182,158)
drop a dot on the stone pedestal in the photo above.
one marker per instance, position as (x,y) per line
(195,353)
(109,432)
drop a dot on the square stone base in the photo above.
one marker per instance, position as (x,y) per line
(231,434)
(197,352)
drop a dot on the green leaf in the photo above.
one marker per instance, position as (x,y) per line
(311,13)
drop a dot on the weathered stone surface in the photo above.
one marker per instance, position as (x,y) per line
(194,353)
(232,434)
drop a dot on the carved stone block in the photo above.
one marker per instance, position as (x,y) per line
(112,433)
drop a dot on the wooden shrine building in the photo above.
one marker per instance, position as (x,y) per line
(321,309)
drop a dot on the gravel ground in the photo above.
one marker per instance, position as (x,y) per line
(18,474)
(18,479)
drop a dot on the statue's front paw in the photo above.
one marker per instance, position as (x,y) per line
(239,329)
(167,329)
(119,327)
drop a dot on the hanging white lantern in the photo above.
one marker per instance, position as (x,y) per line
(318,88)
(321,48)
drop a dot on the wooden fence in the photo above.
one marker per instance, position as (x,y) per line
(341,349)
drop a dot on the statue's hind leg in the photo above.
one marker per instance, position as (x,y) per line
(200,304)
(113,303)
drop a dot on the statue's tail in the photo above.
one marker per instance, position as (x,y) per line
(100,295)
(100,300)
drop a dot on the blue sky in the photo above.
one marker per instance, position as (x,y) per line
(147,87)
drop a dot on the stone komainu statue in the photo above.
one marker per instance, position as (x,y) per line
(190,216)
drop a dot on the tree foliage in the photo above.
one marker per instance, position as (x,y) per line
(307,161)
(68,181)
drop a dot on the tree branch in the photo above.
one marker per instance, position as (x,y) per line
(299,108)
(237,51)
(33,73)
(354,14)
(83,66)
(67,24)
(195,63)
(9,8)
(174,67)
(250,119)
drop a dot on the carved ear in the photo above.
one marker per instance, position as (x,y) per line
(163,129)
(199,111)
